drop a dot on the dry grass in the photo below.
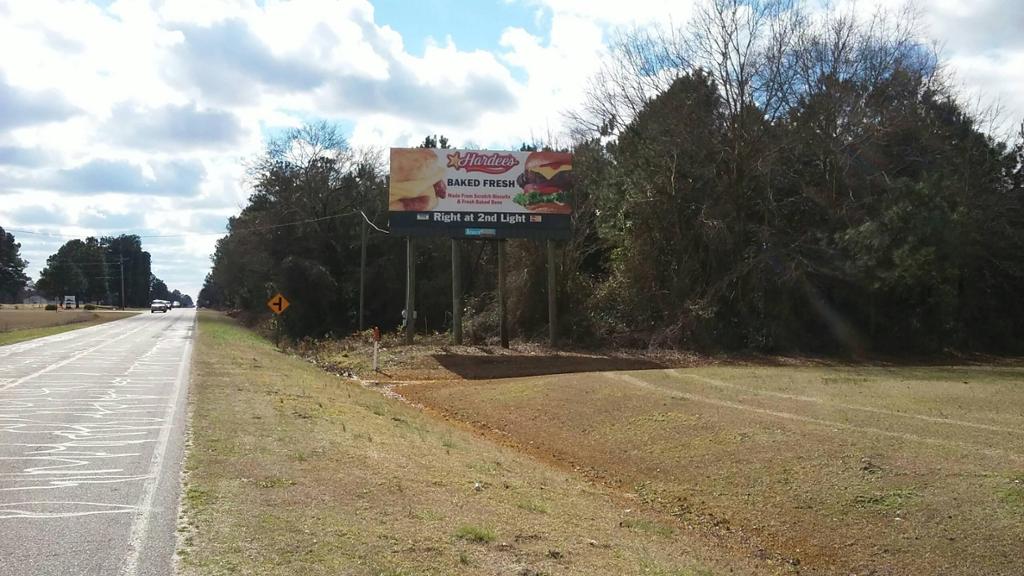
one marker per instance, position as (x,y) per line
(21,325)
(295,471)
(831,470)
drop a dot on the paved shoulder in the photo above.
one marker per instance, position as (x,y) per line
(91,435)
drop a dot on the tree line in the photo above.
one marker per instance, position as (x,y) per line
(92,270)
(762,177)
(12,268)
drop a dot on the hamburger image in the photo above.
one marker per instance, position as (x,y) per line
(417,180)
(546,183)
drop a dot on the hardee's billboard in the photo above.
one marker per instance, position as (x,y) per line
(480,193)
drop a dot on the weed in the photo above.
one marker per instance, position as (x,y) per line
(650,569)
(428,515)
(1013,496)
(532,506)
(196,497)
(275,483)
(894,500)
(485,467)
(647,526)
(475,534)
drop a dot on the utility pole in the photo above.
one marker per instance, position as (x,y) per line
(120,260)
(362,275)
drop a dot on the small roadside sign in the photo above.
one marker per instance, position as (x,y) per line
(278,304)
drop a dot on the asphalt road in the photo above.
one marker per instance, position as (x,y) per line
(92,428)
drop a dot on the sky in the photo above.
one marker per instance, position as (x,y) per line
(138,116)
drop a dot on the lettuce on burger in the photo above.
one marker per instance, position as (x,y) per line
(546,182)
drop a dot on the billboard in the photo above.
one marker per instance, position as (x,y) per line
(480,193)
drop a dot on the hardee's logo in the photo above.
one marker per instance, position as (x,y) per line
(494,163)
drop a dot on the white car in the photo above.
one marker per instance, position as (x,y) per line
(158,306)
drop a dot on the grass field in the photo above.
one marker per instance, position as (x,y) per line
(292,470)
(20,325)
(826,470)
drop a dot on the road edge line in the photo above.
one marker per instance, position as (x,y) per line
(142,520)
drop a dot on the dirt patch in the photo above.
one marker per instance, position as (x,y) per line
(490,367)
(827,470)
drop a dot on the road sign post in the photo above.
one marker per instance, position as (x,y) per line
(376,348)
(278,304)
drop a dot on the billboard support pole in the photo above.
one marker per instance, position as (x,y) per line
(410,290)
(552,301)
(502,312)
(362,276)
(456,292)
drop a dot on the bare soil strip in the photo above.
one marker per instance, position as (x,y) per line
(829,424)
(830,470)
(817,400)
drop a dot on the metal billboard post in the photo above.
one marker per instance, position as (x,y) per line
(502,293)
(552,300)
(410,290)
(456,292)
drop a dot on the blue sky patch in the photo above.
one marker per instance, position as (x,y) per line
(471,25)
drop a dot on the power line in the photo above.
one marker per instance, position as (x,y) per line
(191,234)
(374,226)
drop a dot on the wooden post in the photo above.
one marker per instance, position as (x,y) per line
(552,301)
(502,313)
(362,277)
(410,290)
(456,292)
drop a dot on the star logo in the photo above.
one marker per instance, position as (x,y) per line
(454,160)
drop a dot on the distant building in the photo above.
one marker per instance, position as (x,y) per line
(35,300)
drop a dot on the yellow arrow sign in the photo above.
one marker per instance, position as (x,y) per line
(278,303)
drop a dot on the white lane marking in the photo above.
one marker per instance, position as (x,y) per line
(816,400)
(71,359)
(57,483)
(39,509)
(818,421)
(141,524)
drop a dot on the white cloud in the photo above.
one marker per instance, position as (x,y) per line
(162,101)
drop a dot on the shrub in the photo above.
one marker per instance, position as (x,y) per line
(475,534)
(90,307)
(51,306)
